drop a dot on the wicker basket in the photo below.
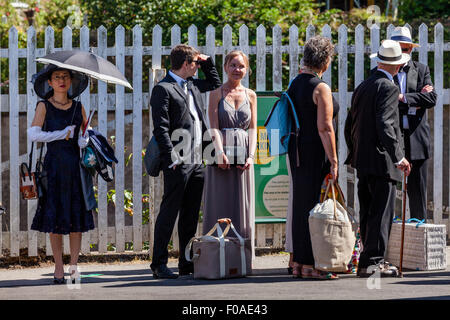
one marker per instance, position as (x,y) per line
(424,247)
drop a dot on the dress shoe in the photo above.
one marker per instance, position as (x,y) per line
(384,269)
(186,270)
(59,280)
(162,272)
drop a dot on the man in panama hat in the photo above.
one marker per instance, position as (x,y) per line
(416,96)
(373,137)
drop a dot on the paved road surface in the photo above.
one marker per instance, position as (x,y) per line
(133,281)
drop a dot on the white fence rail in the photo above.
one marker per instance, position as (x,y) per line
(122,115)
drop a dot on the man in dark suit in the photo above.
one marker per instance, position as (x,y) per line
(177,112)
(373,137)
(416,96)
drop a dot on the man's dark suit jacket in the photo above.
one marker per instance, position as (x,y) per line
(170,110)
(417,77)
(372,130)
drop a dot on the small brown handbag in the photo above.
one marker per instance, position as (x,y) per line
(28,180)
(28,187)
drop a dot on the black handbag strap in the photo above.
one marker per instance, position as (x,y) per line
(28,171)
(39,161)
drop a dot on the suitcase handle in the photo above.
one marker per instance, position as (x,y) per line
(224,220)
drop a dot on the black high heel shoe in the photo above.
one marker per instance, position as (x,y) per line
(58,280)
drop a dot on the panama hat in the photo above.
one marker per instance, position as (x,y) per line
(80,82)
(390,52)
(403,35)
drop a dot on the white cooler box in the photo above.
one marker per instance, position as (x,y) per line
(424,246)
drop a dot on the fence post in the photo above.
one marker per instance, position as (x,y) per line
(243,44)
(86,102)
(102,116)
(31,105)
(277,59)
(293,52)
(261,58)
(175,39)
(120,143)
(192,36)
(156,47)
(137,138)
(342,70)
(359,77)
(374,42)
(210,48)
(227,34)
(438,122)
(67,45)
(49,48)
(310,32)
(157,182)
(14,202)
(175,35)
(423,41)
(389,30)
(326,32)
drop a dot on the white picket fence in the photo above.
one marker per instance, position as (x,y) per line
(119,102)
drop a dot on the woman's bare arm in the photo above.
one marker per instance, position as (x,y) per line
(323,99)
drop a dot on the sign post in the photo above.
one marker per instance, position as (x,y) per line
(271,175)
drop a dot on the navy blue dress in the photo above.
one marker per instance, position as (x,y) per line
(62,209)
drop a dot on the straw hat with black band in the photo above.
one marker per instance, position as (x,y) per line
(80,82)
(403,35)
(390,53)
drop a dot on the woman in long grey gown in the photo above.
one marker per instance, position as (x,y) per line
(229,185)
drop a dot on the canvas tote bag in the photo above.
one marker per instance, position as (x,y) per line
(220,257)
(332,236)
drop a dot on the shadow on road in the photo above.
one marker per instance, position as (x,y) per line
(429,298)
(144,277)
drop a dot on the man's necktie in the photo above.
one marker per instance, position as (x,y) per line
(187,87)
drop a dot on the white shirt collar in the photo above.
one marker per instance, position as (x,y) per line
(177,78)
(386,73)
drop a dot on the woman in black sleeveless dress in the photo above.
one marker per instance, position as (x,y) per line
(58,121)
(316,146)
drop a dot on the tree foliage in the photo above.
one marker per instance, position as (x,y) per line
(437,10)
(218,13)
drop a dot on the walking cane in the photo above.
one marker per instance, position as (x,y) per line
(405,183)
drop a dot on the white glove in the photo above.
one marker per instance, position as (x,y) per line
(37,135)
(83,141)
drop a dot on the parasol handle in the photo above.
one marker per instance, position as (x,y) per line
(91,113)
(68,135)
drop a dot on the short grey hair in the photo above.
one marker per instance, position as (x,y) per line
(317,51)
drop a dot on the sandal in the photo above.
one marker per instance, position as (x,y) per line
(291,264)
(307,272)
(323,275)
(297,270)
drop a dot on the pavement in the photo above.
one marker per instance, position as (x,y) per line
(269,281)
